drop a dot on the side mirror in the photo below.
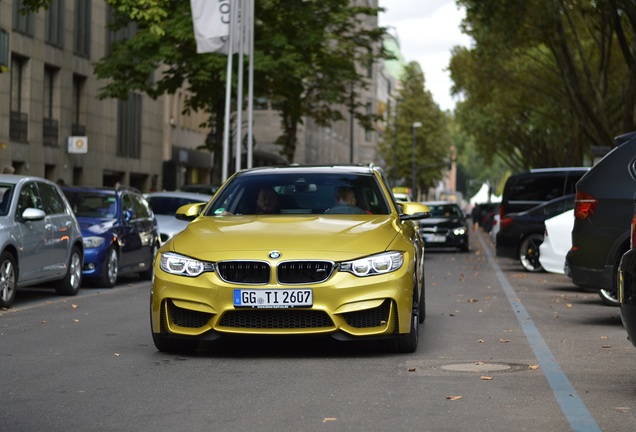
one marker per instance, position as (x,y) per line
(189,212)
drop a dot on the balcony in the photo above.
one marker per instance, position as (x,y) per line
(49,132)
(18,126)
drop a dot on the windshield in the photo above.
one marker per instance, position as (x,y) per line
(300,193)
(89,204)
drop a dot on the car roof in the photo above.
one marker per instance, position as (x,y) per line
(103,189)
(314,169)
(16,178)
(178,194)
(440,203)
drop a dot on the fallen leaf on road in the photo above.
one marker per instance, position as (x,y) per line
(481,341)
(622,409)
(486,378)
(328,419)
(569,305)
(533,367)
(606,346)
(412,369)
(504,340)
(75,320)
(453,398)
(117,354)
(472,300)
(43,322)
(74,306)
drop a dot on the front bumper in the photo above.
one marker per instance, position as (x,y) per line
(202,307)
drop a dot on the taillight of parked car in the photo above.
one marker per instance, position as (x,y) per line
(633,236)
(584,205)
(504,222)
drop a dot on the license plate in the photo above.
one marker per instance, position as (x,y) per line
(432,238)
(275,298)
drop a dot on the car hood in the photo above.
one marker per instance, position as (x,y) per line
(170,224)
(330,237)
(95,226)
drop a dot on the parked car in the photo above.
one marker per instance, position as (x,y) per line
(521,234)
(557,241)
(495,226)
(119,230)
(165,204)
(528,189)
(40,239)
(447,227)
(603,213)
(273,253)
(200,188)
(627,284)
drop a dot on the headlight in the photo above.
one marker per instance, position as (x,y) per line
(459,231)
(93,242)
(181,265)
(374,265)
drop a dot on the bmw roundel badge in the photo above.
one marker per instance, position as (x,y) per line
(274,254)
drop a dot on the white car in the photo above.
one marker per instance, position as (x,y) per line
(165,204)
(557,242)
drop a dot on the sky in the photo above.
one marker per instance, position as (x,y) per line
(427,31)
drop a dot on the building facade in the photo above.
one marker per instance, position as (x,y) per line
(53,125)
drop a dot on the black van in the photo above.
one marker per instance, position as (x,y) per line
(603,211)
(531,188)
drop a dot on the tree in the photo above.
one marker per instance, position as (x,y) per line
(432,139)
(546,80)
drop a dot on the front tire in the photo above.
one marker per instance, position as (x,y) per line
(529,253)
(404,344)
(70,284)
(609,297)
(110,269)
(8,279)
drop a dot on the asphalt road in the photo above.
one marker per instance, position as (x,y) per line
(501,350)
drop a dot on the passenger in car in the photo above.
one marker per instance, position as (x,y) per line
(345,196)
(267,201)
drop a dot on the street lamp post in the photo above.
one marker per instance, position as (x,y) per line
(415,126)
(395,142)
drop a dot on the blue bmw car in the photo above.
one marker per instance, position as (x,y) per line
(119,231)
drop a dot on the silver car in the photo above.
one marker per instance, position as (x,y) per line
(165,204)
(40,240)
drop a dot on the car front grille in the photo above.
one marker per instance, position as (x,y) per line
(276,319)
(185,317)
(434,230)
(299,272)
(370,317)
(244,272)
(288,272)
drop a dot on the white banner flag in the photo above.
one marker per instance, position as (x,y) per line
(211,21)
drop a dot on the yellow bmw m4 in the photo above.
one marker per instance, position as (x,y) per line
(294,250)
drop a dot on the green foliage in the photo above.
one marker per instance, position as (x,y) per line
(432,140)
(544,81)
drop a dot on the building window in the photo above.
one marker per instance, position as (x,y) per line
(122,33)
(19,121)
(83,28)
(367,132)
(4,50)
(129,127)
(55,23)
(50,124)
(78,127)
(23,23)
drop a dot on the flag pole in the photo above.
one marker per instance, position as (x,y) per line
(250,96)
(239,91)
(228,96)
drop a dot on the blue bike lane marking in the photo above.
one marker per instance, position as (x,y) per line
(572,406)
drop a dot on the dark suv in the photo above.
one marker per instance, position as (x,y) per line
(603,211)
(528,189)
